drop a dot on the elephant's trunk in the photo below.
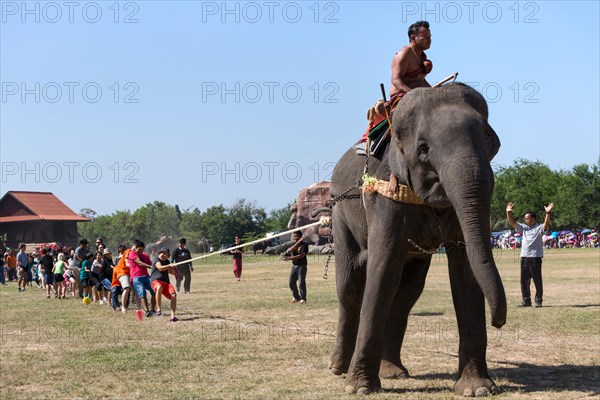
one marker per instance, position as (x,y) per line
(470,191)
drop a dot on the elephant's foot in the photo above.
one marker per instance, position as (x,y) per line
(475,386)
(362,382)
(339,364)
(336,371)
(392,370)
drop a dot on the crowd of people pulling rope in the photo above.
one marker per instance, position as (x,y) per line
(96,277)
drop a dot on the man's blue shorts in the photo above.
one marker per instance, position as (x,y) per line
(106,283)
(141,284)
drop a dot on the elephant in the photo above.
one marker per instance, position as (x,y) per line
(264,245)
(164,241)
(260,247)
(440,148)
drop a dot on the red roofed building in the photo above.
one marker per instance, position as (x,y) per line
(37,217)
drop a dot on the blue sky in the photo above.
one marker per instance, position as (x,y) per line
(111,105)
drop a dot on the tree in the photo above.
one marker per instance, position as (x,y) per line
(120,228)
(147,223)
(278,219)
(213,225)
(178,213)
(579,197)
(529,185)
(98,227)
(245,218)
(154,220)
(88,213)
(190,224)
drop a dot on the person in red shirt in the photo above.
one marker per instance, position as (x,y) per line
(139,264)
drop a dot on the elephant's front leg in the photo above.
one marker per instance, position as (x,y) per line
(473,378)
(384,270)
(411,287)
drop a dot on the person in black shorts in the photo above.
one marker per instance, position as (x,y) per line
(84,275)
(47,263)
(182,253)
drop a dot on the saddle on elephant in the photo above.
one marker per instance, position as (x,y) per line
(378,116)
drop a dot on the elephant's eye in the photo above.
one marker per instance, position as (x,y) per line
(423,149)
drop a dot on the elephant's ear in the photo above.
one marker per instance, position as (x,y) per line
(398,165)
(492,142)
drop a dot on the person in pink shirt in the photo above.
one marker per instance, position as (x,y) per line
(139,264)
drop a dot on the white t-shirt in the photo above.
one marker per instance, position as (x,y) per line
(532,242)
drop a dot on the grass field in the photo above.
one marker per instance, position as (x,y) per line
(245,340)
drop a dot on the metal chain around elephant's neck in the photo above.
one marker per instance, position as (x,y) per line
(329,242)
(422,250)
(332,202)
(445,240)
(346,196)
(457,243)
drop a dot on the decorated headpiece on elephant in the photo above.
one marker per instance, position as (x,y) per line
(440,151)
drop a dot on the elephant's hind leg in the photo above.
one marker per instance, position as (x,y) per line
(350,280)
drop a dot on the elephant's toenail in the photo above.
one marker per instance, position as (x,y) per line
(350,389)
(468,392)
(363,391)
(482,391)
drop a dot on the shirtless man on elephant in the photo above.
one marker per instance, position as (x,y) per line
(409,68)
(410,65)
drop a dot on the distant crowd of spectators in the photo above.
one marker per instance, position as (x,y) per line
(555,240)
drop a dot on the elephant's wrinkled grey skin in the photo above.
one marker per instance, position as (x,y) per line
(441,146)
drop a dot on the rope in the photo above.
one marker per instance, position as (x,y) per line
(323,221)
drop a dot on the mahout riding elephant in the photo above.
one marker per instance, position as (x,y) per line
(163,241)
(441,148)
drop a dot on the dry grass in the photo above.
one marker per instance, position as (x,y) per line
(245,340)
